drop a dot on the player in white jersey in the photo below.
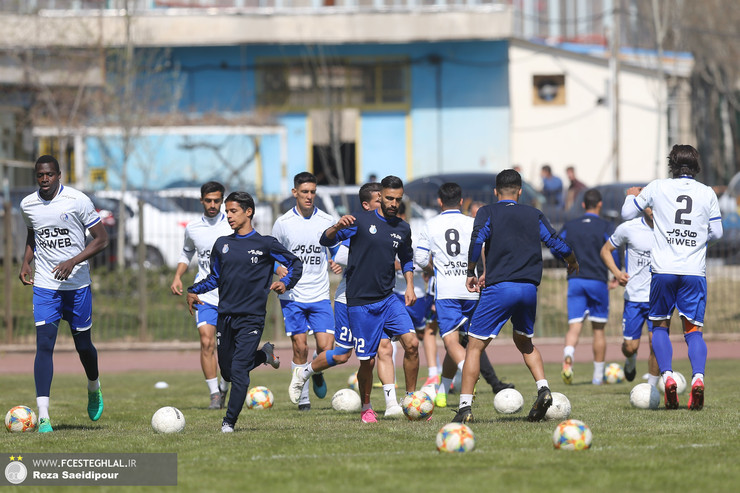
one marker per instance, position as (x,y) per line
(686,215)
(307,307)
(636,235)
(57,218)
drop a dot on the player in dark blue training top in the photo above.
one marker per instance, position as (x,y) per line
(511,233)
(376,237)
(241,269)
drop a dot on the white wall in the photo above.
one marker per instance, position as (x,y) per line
(579,133)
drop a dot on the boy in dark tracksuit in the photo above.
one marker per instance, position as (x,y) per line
(241,269)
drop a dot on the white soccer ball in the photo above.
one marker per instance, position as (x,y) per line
(508,401)
(20,419)
(614,373)
(680,383)
(260,397)
(168,420)
(352,382)
(455,437)
(560,409)
(644,396)
(346,400)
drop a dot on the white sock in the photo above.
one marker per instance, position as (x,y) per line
(598,370)
(223,385)
(666,374)
(569,351)
(303,399)
(630,362)
(43,404)
(212,384)
(653,380)
(308,370)
(93,385)
(465,400)
(542,383)
(444,387)
(697,377)
(460,366)
(433,371)
(389,390)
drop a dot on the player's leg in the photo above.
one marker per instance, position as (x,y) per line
(246,333)
(47,312)
(597,293)
(429,340)
(366,324)
(449,370)
(321,320)
(599,350)
(633,318)
(296,327)
(387,376)
(577,309)
(663,291)
(206,317)
(653,371)
(397,324)
(471,372)
(691,304)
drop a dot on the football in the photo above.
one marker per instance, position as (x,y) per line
(644,396)
(455,437)
(417,406)
(346,400)
(572,435)
(560,409)
(20,419)
(680,383)
(259,398)
(614,373)
(352,382)
(168,420)
(508,401)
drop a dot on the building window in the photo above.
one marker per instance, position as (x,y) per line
(297,85)
(548,90)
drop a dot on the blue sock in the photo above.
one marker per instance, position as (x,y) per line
(697,351)
(43,365)
(87,353)
(663,349)
(335,352)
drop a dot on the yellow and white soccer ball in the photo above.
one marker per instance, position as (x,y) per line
(614,373)
(417,406)
(508,401)
(455,437)
(645,396)
(572,434)
(680,383)
(168,420)
(20,419)
(560,408)
(260,397)
(352,382)
(346,400)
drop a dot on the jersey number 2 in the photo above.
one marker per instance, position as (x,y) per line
(685,210)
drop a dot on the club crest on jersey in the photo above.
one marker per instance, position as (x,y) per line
(373,229)
(225,248)
(64,216)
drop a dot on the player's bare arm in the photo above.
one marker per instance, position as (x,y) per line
(572,263)
(26,271)
(100,240)
(410,294)
(176,286)
(281,271)
(344,222)
(335,267)
(278,287)
(634,191)
(471,283)
(608,259)
(193,300)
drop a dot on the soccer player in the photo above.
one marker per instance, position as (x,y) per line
(57,218)
(241,268)
(687,216)
(588,291)
(343,341)
(511,233)
(376,238)
(636,236)
(307,307)
(199,238)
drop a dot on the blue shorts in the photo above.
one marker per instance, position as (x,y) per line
(74,306)
(687,293)
(634,317)
(587,298)
(453,315)
(342,333)
(419,311)
(499,303)
(206,314)
(301,318)
(369,322)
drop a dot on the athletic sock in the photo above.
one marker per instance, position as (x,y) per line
(696,377)
(542,383)
(569,351)
(697,351)
(465,400)
(389,390)
(663,349)
(433,371)
(93,385)
(43,404)
(212,384)
(460,365)
(653,380)
(308,370)
(598,370)
(304,398)
(87,353)
(223,385)
(445,385)
(630,362)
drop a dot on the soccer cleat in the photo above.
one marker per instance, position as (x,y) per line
(696,397)
(597,381)
(369,416)
(499,386)
(215,401)
(227,427)
(630,370)
(671,393)
(45,426)
(463,415)
(319,385)
(432,381)
(269,350)
(541,405)
(440,400)
(567,372)
(304,407)
(222,398)
(297,381)
(393,411)
(95,404)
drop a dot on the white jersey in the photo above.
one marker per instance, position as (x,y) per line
(200,235)
(446,239)
(342,257)
(420,285)
(682,211)
(59,227)
(638,239)
(301,236)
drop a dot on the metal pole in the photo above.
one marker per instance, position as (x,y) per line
(8,258)
(614,96)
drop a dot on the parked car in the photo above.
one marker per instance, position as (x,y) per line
(108,211)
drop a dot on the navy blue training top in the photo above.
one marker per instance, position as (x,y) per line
(374,243)
(512,233)
(586,235)
(241,269)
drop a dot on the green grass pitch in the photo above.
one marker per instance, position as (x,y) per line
(283,450)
